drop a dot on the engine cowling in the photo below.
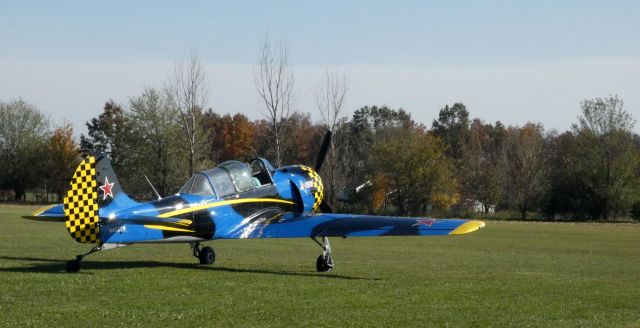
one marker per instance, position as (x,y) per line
(306,185)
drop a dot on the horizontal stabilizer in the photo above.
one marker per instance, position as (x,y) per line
(51,213)
(44,218)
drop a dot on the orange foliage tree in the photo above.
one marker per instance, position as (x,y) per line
(231,137)
(62,154)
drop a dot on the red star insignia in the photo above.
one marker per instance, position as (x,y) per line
(106,188)
(427,222)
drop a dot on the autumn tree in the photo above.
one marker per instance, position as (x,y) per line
(452,127)
(23,134)
(231,136)
(606,159)
(566,196)
(303,144)
(376,119)
(481,174)
(157,141)
(62,155)
(526,166)
(367,125)
(109,134)
(416,172)
(262,139)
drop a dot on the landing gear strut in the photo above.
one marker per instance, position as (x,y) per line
(324,263)
(206,255)
(74,265)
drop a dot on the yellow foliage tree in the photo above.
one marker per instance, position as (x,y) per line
(418,173)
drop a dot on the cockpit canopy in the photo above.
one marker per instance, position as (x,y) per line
(227,179)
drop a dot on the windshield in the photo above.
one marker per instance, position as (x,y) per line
(240,173)
(198,184)
(227,179)
(222,183)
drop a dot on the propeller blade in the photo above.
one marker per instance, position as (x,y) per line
(323,151)
(325,207)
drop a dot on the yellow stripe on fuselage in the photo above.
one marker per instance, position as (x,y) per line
(161,227)
(222,203)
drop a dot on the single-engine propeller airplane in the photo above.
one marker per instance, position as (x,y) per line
(235,200)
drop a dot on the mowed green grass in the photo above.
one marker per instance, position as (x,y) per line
(507,274)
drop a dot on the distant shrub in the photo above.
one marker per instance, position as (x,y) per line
(635,211)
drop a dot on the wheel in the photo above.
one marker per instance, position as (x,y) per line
(328,263)
(207,255)
(324,263)
(320,267)
(73,266)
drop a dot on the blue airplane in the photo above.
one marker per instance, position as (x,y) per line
(235,200)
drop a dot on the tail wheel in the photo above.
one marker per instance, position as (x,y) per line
(73,266)
(207,255)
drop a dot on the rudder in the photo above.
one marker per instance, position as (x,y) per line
(81,203)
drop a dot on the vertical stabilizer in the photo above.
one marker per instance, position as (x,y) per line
(94,191)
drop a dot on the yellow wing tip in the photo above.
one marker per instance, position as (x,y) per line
(467,227)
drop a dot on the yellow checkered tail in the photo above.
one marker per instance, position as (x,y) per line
(81,203)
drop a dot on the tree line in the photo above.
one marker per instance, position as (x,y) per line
(401,166)
(381,160)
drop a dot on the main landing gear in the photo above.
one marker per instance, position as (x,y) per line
(324,263)
(74,265)
(206,255)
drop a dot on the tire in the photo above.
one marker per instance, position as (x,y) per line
(73,266)
(207,256)
(324,264)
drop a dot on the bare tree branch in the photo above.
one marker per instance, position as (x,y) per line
(275,85)
(330,98)
(190,93)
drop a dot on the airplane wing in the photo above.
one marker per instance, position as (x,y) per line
(368,225)
(349,225)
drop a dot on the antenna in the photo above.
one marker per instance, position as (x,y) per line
(154,189)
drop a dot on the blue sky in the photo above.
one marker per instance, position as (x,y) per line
(507,60)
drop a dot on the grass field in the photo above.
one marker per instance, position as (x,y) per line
(508,274)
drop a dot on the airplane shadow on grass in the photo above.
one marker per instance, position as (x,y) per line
(42,265)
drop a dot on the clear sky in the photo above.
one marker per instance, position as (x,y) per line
(513,61)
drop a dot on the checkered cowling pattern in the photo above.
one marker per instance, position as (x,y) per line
(318,188)
(81,203)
